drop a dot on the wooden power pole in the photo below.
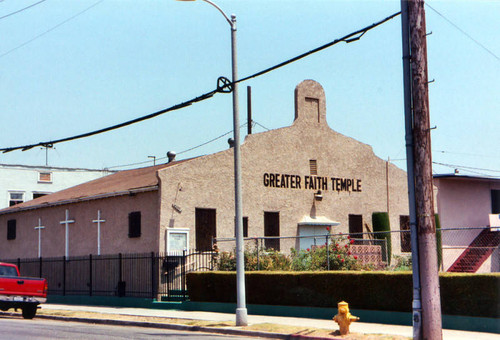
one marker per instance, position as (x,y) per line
(424,199)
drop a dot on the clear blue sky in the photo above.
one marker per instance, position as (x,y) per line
(66,70)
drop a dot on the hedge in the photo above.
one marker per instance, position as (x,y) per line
(461,294)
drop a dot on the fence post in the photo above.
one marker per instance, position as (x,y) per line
(386,251)
(328,251)
(64,275)
(90,274)
(19,264)
(153,275)
(258,254)
(40,267)
(183,271)
(120,261)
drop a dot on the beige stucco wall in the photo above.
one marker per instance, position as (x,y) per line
(463,202)
(207,182)
(83,233)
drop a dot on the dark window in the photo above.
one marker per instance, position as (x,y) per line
(404,225)
(245,226)
(16,198)
(36,195)
(205,228)
(11,229)
(495,201)
(8,271)
(272,228)
(356,226)
(134,224)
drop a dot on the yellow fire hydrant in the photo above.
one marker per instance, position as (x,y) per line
(344,317)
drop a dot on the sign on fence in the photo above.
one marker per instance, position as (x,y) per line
(495,222)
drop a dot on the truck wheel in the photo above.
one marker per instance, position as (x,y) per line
(29,312)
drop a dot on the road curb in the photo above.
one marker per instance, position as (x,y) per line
(224,331)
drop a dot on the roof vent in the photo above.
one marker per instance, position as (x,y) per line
(230,141)
(171,156)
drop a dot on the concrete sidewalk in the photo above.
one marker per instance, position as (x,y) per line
(356,327)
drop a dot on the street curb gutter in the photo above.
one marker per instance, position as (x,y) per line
(224,331)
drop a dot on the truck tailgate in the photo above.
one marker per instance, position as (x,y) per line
(24,286)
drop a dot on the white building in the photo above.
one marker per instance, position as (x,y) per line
(21,183)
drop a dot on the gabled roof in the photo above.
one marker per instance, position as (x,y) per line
(121,183)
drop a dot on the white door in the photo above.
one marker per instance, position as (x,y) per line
(312,235)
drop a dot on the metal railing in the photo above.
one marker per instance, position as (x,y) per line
(163,276)
(469,249)
(368,251)
(149,275)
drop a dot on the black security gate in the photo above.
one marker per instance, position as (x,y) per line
(151,275)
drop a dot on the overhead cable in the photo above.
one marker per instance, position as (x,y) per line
(50,29)
(22,9)
(465,167)
(224,85)
(178,153)
(463,32)
(354,36)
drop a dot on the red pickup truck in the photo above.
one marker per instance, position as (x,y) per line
(25,293)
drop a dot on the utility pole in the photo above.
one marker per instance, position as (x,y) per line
(424,198)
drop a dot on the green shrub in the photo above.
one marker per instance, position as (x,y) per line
(382,228)
(402,263)
(439,242)
(337,256)
(263,260)
(461,294)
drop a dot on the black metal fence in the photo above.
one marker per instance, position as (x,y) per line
(149,275)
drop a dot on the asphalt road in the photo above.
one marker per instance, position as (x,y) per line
(20,329)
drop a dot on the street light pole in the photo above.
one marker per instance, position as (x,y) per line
(241,310)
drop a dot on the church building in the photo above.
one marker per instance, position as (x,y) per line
(296,181)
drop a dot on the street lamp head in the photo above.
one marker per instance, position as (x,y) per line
(231,22)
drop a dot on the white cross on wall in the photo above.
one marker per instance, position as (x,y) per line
(99,221)
(66,222)
(39,227)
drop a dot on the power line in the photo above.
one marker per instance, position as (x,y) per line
(463,32)
(347,39)
(464,167)
(224,85)
(210,141)
(50,29)
(22,9)
(463,154)
(262,126)
(190,149)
